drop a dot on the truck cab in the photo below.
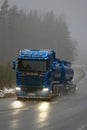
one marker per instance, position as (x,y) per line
(34,73)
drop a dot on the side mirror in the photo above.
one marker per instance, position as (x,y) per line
(53,65)
(14,64)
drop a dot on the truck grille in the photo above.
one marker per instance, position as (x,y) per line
(31,80)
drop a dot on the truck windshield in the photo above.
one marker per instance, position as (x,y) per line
(34,65)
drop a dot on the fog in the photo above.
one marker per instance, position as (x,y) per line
(74,12)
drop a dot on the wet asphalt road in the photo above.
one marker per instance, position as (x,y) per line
(66,113)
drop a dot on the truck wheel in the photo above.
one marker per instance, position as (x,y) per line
(54,91)
(60,91)
(19,98)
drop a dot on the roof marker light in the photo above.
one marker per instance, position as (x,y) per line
(20,53)
(35,54)
(40,54)
(30,53)
(25,53)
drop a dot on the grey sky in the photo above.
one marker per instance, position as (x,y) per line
(75,12)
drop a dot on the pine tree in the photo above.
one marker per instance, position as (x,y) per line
(4,40)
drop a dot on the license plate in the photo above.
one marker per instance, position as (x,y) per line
(31,94)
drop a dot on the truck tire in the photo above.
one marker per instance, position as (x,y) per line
(60,91)
(19,98)
(54,91)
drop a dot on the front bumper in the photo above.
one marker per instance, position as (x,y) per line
(43,93)
(34,98)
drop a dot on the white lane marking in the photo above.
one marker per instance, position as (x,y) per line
(82,127)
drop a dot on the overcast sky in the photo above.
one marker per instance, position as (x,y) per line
(75,12)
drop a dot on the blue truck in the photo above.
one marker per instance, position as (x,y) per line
(40,75)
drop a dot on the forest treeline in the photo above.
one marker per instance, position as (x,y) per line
(20,29)
(7,76)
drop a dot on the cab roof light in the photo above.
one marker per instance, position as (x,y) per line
(35,54)
(40,54)
(30,53)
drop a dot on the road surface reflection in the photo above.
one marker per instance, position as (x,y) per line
(43,109)
(17,104)
(43,106)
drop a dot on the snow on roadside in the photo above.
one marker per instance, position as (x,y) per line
(7,92)
(1,94)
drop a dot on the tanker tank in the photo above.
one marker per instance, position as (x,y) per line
(63,73)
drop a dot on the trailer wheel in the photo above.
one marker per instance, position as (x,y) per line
(19,98)
(60,91)
(54,91)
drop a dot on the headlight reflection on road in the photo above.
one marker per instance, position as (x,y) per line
(44,110)
(17,104)
(14,124)
(44,106)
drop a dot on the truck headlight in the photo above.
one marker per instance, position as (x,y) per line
(17,88)
(45,89)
